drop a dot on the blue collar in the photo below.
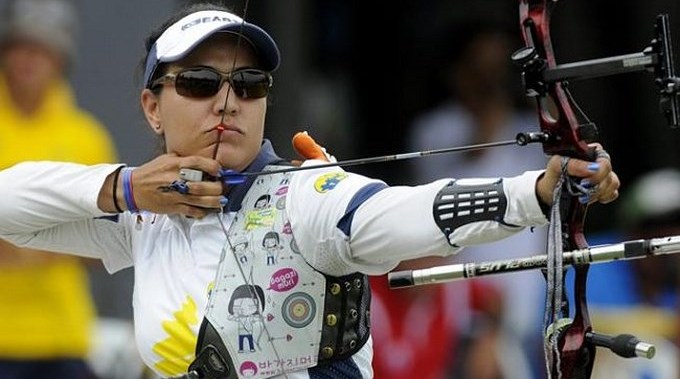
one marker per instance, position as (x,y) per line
(266,156)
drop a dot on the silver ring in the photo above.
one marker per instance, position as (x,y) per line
(594,189)
(602,154)
(190,175)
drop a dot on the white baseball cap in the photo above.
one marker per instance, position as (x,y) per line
(183,36)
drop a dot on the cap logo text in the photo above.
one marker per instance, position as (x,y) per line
(203,20)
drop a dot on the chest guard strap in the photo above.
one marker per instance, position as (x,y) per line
(347,315)
(212,359)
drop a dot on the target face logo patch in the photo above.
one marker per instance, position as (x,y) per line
(298,310)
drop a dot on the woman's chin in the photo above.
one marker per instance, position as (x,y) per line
(228,162)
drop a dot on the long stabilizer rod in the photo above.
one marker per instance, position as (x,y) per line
(628,250)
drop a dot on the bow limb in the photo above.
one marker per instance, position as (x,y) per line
(568,353)
(565,135)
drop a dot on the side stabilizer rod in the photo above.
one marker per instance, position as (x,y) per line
(628,250)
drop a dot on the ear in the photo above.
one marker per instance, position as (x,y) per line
(152,110)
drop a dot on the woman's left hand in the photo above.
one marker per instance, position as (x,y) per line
(596,175)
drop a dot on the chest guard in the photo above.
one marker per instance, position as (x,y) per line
(269,312)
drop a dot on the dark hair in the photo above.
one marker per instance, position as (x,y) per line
(266,197)
(270,235)
(246,291)
(176,16)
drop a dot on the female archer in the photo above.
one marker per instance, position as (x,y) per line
(207,74)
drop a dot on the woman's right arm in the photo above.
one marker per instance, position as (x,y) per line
(54,206)
(39,195)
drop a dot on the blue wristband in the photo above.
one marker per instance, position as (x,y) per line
(127,190)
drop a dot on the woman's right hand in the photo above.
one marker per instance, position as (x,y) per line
(152,190)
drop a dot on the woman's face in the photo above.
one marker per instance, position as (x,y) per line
(189,124)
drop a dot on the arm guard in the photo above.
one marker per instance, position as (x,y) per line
(458,204)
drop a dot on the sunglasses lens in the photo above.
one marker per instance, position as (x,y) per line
(198,83)
(204,82)
(250,83)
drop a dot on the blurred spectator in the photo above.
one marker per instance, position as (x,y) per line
(645,302)
(46,310)
(417,330)
(483,104)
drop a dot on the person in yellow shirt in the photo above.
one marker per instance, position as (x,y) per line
(46,310)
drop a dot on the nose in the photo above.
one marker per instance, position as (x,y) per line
(226,101)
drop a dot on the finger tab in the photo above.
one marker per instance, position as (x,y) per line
(305,145)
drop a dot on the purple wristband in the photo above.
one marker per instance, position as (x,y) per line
(127,190)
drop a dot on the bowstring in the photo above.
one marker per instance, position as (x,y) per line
(220,129)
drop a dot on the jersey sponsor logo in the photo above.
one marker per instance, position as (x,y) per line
(327,182)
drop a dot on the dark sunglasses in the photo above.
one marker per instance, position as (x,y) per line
(247,83)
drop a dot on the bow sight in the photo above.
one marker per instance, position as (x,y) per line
(657,58)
